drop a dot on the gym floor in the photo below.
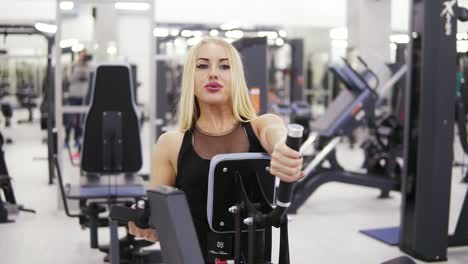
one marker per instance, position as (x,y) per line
(324,231)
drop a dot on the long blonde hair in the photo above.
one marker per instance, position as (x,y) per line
(189,110)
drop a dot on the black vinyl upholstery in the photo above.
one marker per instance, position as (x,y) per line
(112,92)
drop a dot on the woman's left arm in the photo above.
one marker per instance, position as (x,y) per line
(286,163)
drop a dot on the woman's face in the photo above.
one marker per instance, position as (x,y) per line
(212,74)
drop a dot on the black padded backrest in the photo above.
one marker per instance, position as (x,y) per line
(112,91)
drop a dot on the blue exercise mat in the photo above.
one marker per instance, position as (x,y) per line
(388,235)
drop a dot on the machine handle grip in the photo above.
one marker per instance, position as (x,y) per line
(140,215)
(285,189)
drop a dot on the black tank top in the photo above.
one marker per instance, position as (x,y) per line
(192,178)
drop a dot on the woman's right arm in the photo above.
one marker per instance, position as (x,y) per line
(163,172)
(164,161)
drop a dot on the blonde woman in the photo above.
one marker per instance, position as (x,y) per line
(215,116)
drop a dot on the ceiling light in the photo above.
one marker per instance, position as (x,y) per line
(67,5)
(214,32)
(161,32)
(175,32)
(230,25)
(462,46)
(279,42)
(462,35)
(197,33)
(111,50)
(282,33)
(66,43)
(400,38)
(268,34)
(193,41)
(234,34)
(46,28)
(186,33)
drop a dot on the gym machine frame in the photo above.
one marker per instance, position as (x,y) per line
(111,157)
(428,146)
(15,29)
(223,217)
(354,107)
(9,205)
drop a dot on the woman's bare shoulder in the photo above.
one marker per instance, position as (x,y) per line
(169,143)
(264,120)
(172,137)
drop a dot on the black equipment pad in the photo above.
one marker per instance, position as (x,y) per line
(173,221)
(224,188)
(112,93)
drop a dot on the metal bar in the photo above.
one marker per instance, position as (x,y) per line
(308,143)
(114,253)
(320,156)
(11,56)
(297,71)
(428,134)
(58,93)
(152,80)
(460,236)
(308,186)
(51,148)
(391,82)
(263,82)
(93,226)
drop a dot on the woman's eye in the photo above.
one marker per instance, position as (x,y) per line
(225,67)
(202,66)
